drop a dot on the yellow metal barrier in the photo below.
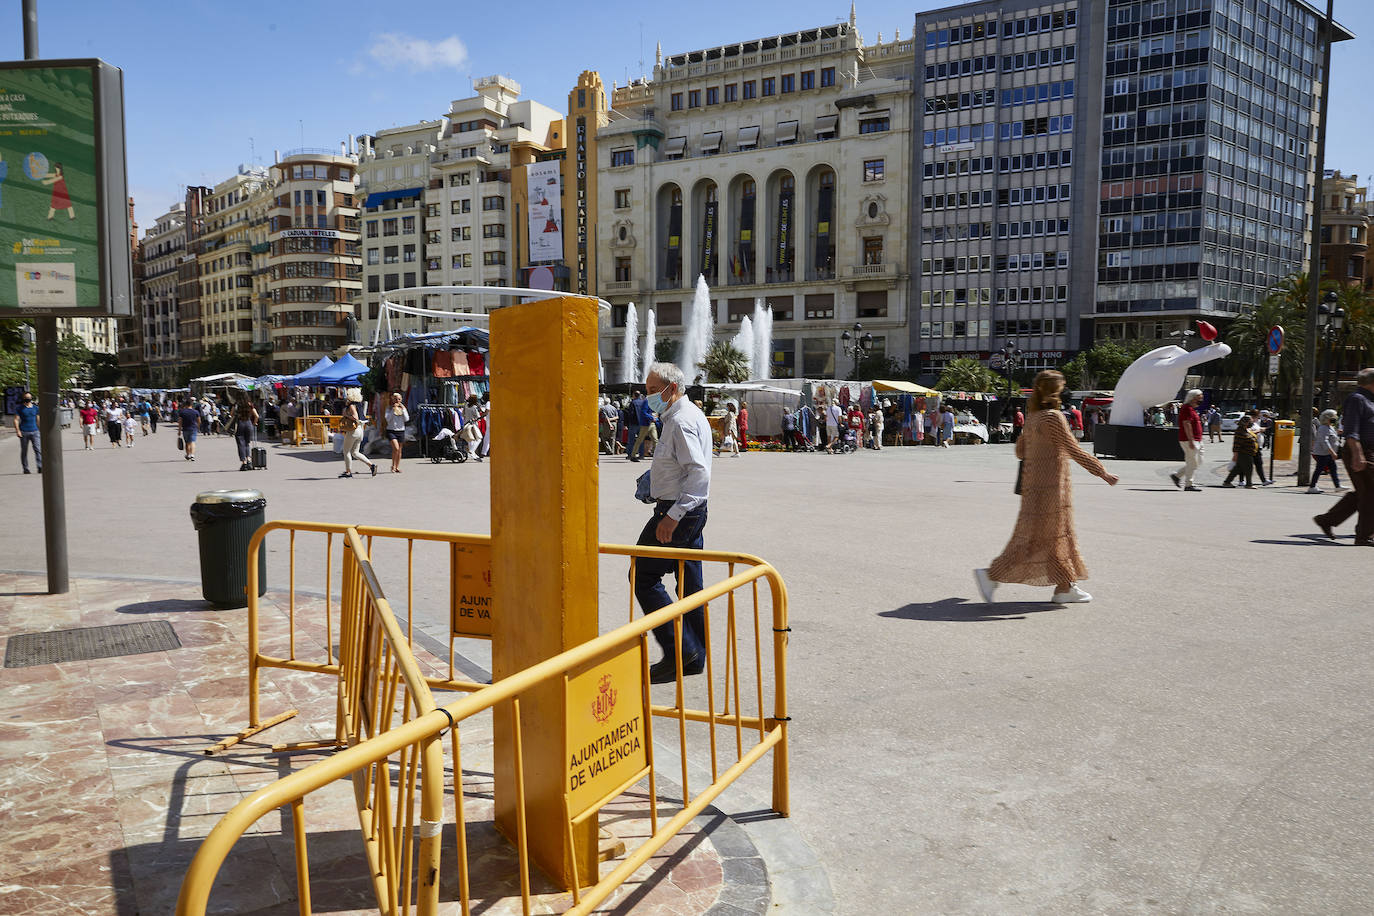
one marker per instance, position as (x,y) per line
(374,653)
(469,609)
(381,690)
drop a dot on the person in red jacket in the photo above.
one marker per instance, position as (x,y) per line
(1190,440)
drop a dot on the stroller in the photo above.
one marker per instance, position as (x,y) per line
(448,447)
(849,441)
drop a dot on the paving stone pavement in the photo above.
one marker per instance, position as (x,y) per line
(1194,740)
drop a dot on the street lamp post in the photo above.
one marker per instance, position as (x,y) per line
(1331,328)
(1011,361)
(1309,355)
(861,346)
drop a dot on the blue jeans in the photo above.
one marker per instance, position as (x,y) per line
(649,573)
(1326,464)
(27,439)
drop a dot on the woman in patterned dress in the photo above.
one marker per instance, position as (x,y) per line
(1043,549)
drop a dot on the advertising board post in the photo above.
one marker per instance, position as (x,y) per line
(64,226)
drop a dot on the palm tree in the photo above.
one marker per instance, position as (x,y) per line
(723,363)
(1359,322)
(1286,307)
(967,375)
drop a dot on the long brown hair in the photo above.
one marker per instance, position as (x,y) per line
(1048,384)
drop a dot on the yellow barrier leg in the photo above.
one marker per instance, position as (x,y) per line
(544,554)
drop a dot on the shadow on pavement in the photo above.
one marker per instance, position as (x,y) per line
(166,606)
(1305,540)
(961,609)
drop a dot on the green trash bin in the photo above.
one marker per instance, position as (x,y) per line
(225,521)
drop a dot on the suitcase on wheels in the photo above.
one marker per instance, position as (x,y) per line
(259,458)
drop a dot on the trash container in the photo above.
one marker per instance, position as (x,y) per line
(1283,440)
(225,521)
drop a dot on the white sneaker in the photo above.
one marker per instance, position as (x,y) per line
(985,585)
(1314,489)
(1074,595)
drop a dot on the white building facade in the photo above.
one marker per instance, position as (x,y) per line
(163,247)
(776,168)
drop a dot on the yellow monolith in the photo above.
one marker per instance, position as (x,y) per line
(544,551)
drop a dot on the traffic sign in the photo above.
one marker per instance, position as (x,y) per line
(1273,364)
(1275,339)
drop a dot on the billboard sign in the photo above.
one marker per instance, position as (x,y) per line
(544,187)
(64,218)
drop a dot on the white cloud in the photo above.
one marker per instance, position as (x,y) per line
(392,50)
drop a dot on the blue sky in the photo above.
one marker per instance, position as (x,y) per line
(209,85)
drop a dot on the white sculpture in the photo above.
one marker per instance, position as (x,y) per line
(1155,379)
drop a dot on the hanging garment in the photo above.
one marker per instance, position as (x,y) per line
(443,364)
(477,364)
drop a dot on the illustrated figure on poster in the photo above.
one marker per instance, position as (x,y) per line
(4,170)
(60,198)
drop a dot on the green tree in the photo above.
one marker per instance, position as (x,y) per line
(219,358)
(723,363)
(665,350)
(968,375)
(1102,365)
(1359,324)
(879,366)
(1286,306)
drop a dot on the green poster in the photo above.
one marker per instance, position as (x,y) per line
(49,220)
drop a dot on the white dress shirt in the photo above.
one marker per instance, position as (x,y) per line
(682,459)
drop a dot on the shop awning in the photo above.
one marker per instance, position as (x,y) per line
(710,141)
(676,146)
(748,137)
(787,132)
(825,124)
(375,199)
(903,387)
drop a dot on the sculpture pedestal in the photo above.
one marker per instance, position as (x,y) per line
(1137,443)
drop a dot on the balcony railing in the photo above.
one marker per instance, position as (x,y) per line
(885,269)
(618,286)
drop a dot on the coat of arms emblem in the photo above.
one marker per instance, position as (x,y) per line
(604,702)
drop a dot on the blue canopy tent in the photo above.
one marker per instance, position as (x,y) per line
(311,376)
(347,371)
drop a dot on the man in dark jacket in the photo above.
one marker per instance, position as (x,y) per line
(1357,422)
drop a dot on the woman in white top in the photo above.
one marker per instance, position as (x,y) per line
(396,419)
(114,423)
(1325,444)
(730,437)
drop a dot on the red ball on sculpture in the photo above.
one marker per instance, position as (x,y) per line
(1206,331)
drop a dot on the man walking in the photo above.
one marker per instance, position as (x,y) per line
(1190,439)
(26,428)
(190,419)
(648,430)
(1357,421)
(679,484)
(1214,424)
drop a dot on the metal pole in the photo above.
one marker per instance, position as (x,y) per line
(49,390)
(1309,347)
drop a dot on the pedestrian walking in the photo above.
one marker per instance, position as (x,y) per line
(130,426)
(1214,424)
(679,483)
(1325,444)
(1357,422)
(648,429)
(832,426)
(1262,441)
(1043,549)
(245,424)
(743,426)
(89,417)
(471,433)
(143,411)
(946,426)
(396,419)
(731,438)
(352,426)
(1190,440)
(876,424)
(26,428)
(153,411)
(114,423)
(190,419)
(1018,423)
(1244,450)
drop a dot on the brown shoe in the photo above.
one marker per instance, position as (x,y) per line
(1326,528)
